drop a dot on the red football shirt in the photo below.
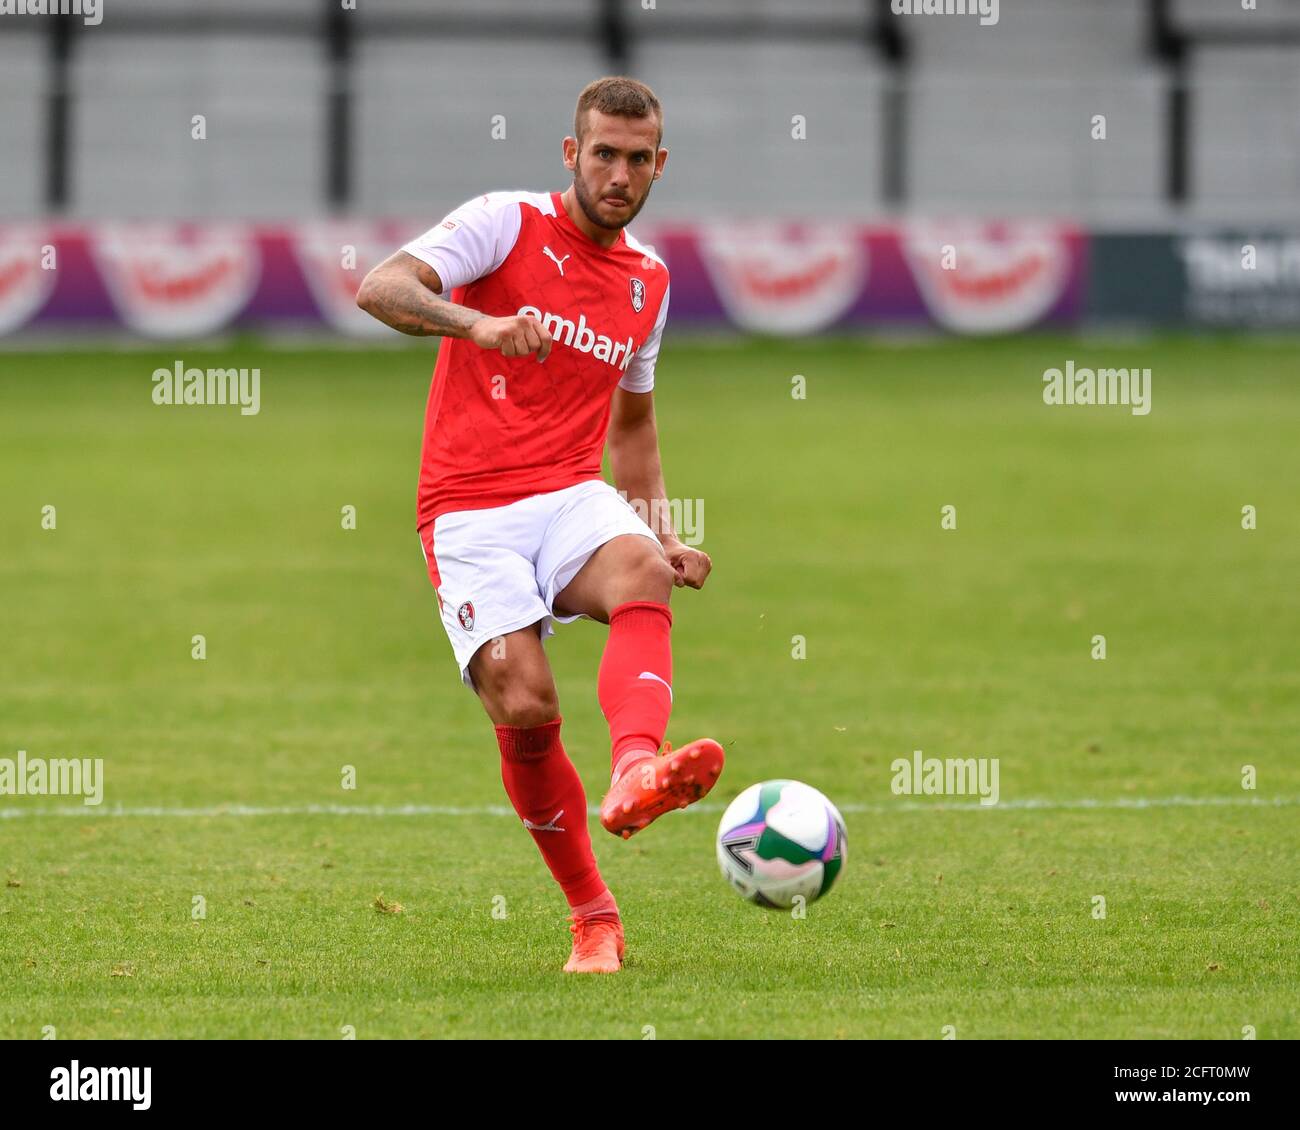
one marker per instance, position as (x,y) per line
(497,428)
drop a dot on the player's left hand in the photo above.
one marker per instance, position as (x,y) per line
(691,565)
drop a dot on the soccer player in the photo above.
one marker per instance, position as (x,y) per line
(552,330)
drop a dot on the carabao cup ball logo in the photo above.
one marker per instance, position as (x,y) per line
(781,841)
(638,295)
(466,615)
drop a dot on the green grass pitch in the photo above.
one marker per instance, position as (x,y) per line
(1120,777)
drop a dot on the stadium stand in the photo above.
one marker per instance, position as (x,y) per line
(310,109)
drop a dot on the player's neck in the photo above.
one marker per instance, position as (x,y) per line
(604,236)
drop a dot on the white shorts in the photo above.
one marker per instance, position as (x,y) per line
(498,569)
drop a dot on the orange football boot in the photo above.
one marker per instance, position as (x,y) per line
(597,945)
(655,785)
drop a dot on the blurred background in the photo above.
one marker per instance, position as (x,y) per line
(883,230)
(1149,137)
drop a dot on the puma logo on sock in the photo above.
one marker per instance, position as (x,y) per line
(550,826)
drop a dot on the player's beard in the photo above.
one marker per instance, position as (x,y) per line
(588,204)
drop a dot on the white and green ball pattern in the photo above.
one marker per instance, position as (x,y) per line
(779,840)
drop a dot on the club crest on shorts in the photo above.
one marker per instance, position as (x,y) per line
(638,295)
(465,614)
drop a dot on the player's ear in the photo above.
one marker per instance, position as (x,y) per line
(660,158)
(570,153)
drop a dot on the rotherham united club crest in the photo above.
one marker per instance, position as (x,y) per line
(638,295)
(465,613)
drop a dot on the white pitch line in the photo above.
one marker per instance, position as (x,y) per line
(1027,804)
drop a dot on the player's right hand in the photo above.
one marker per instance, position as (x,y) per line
(516,336)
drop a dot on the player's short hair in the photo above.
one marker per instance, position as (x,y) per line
(620,97)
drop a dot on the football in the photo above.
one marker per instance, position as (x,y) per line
(780,841)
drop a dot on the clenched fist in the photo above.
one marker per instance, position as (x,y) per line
(516,336)
(692,566)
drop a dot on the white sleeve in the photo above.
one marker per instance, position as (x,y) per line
(472,241)
(640,375)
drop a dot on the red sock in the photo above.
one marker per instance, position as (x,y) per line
(635,680)
(547,794)
(603,906)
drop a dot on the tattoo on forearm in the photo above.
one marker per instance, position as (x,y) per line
(402,302)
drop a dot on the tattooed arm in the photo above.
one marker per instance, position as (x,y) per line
(402,292)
